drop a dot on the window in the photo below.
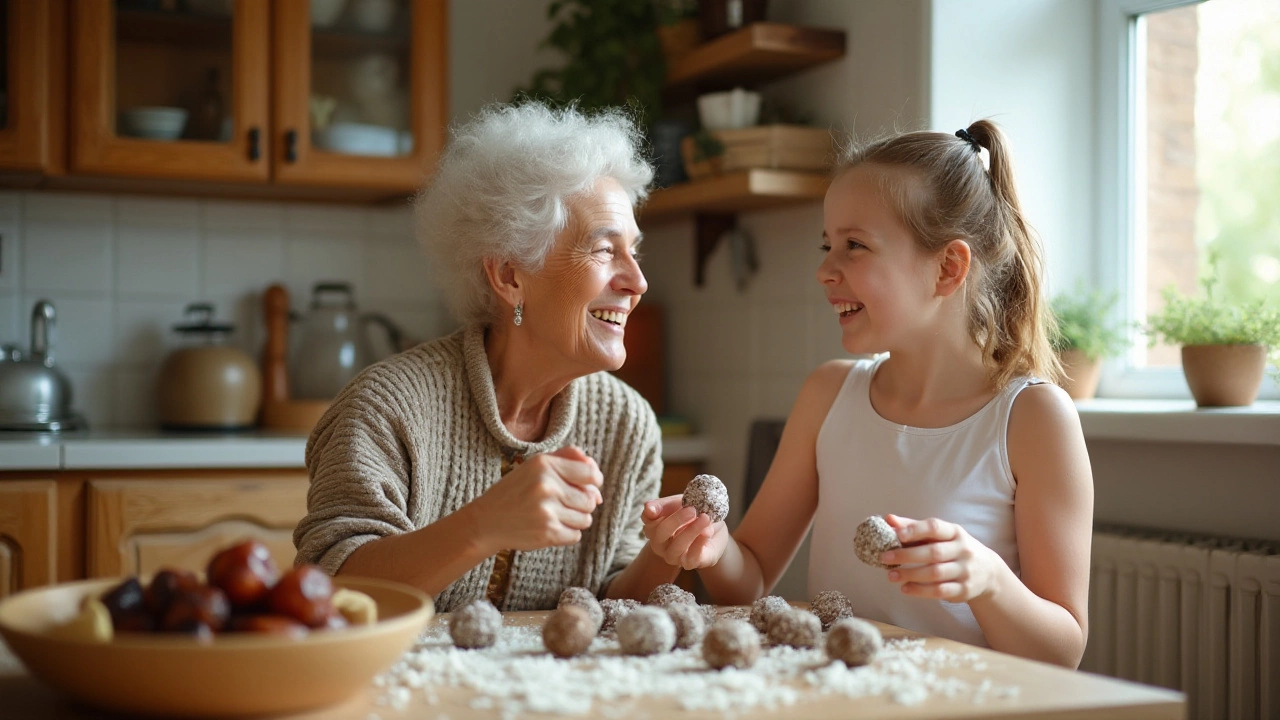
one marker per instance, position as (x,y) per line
(1189,164)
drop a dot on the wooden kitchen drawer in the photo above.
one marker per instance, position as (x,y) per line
(139,525)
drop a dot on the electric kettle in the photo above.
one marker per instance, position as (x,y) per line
(34,394)
(333,344)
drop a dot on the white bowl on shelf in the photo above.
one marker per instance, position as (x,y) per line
(359,139)
(729,110)
(153,123)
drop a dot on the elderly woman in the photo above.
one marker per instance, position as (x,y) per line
(502,462)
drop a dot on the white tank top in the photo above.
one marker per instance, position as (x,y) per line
(868,465)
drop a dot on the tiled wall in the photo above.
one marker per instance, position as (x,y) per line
(120,269)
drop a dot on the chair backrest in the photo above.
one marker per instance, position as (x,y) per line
(762,443)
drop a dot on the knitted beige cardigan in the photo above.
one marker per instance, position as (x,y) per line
(417,436)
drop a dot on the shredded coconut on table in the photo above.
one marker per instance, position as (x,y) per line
(517,676)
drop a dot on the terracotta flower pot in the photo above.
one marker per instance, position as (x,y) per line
(1224,375)
(1081,374)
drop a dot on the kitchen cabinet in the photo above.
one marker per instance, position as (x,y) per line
(289,98)
(32,83)
(28,527)
(136,525)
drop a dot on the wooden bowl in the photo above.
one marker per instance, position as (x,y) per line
(235,675)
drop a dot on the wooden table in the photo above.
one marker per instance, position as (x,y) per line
(1045,691)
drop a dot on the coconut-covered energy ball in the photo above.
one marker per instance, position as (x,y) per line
(614,610)
(830,606)
(668,594)
(583,598)
(764,610)
(569,631)
(873,537)
(646,631)
(731,643)
(797,628)
(708,495)
(690,624)
(854,641)
(475,626)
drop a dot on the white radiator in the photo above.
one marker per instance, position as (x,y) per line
(1191,613)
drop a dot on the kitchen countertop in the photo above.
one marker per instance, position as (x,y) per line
(143,449)
(1043,690)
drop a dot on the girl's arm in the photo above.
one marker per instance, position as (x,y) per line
(1044,614)
(781,513)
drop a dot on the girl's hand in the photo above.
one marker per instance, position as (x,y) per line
(545,501)
(681,535)
(943,561)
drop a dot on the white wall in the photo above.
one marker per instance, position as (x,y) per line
(120,268)
(1029,66)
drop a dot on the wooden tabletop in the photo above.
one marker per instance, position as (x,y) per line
(1042,691)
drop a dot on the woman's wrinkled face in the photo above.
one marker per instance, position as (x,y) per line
(873,273)
(579,302)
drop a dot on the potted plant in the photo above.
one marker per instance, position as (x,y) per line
(678,30)
(1084,337)
(1225,346)
(703,154)
(613,57)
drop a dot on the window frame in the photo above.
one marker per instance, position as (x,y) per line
(1121,216)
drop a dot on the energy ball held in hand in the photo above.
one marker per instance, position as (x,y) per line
(708,495)
(873,537)
(797,628)
(569,631)
(853,641)
(764,610)
(646,631)
(475,626)
(830,606)
(668,594)
(731,643)
(583,598)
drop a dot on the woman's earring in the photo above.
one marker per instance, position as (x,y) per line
(519,313)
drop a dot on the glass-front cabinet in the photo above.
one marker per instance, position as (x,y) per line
(360,90)
(171,89)
(32,71)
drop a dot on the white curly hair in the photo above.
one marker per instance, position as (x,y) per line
(501,187)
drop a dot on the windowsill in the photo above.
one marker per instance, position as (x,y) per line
(1180,421)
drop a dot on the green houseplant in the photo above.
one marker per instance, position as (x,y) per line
(613,57)
(1225,346)
(1085,336)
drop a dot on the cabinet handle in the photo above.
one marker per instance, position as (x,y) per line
(255,144)
(291,146)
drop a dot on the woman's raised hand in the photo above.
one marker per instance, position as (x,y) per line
(681,535)
(547,500)
(946,562)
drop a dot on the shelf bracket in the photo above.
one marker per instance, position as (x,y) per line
(708,229)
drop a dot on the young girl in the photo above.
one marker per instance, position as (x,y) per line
(955,436)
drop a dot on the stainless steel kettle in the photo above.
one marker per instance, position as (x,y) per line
(35,395)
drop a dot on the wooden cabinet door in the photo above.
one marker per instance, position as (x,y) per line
(32,85)
(359,101)
(127,59)
(28,547)
(136,527)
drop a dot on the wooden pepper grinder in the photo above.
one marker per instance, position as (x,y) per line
(279,410)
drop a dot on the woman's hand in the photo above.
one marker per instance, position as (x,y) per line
(681,535)
(545,501)
(945,562)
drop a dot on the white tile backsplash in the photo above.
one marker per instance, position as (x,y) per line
(121,269)
(158,260)
(66,256)
(242,261)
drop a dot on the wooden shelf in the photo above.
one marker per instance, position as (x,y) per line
(174,28)
(734,192)
(755,54)
(342,42)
